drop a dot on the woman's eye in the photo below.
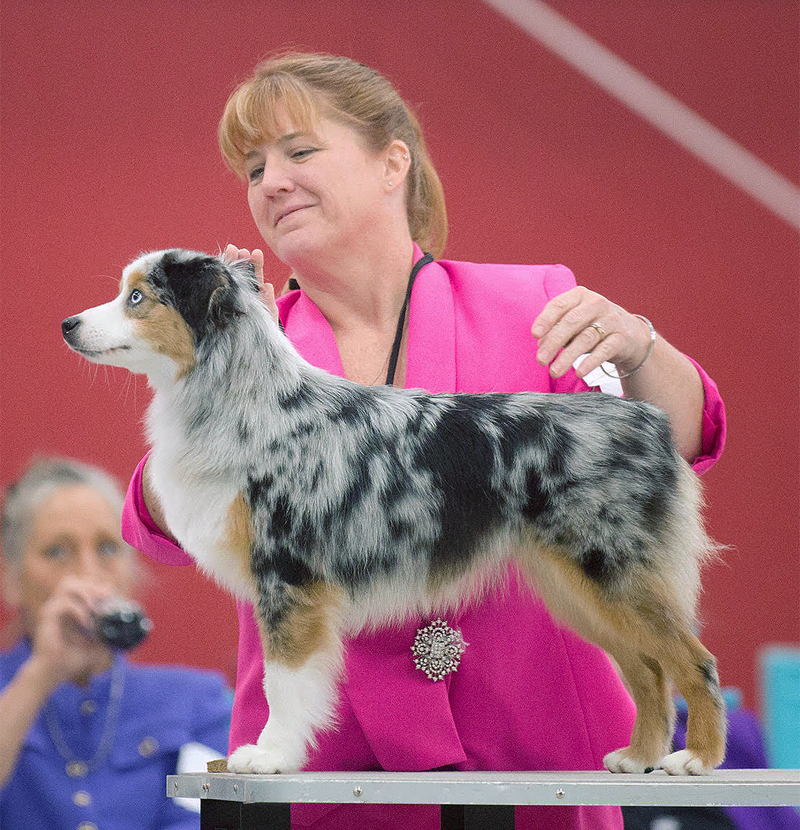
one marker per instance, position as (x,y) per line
(254,174)
(135,297)
(299,155)
(55,552)
(108,548)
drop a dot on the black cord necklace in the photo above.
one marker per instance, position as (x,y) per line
(398,336)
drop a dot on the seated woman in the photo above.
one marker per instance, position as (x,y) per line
(87,738)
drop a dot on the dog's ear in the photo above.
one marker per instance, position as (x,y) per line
(202,290)
(224,305)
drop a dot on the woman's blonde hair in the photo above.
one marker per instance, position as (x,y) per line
(310,86)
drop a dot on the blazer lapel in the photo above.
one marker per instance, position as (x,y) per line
(310,333)
(431,359)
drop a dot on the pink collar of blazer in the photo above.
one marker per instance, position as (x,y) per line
(468,331)
(431,333)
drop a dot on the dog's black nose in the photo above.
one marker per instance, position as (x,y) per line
(70,324)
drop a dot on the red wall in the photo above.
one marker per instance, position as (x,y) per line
(108,148)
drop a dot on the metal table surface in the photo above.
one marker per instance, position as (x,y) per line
(479,799)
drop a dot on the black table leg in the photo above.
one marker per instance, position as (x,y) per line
(233,815)
(477,817)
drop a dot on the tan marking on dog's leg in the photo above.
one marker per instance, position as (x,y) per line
(652,733)
(302,667)
(644,629)
(238,537)
(694,670)
(579,603)
(667,639)
(310,626)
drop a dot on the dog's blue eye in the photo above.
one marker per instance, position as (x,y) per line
(136,297)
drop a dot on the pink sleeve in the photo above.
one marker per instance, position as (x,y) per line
(141,532)
(714,427)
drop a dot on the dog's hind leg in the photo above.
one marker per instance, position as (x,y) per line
(655,713)
(648,636)
(668,649)
(651,615)
(694,670)
(302,665)
(582,605)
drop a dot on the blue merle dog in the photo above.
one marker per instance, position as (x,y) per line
(331,506)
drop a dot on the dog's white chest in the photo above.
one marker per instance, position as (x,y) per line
(199,514)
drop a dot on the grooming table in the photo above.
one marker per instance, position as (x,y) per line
(473,800)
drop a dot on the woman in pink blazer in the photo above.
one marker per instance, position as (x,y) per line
(348,199)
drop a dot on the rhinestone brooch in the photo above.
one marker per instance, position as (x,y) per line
(437,649)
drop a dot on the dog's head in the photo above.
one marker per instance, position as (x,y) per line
(168,304)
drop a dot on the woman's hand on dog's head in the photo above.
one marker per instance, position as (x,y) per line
(256,257)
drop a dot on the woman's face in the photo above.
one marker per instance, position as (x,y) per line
(314,195)
(76,532)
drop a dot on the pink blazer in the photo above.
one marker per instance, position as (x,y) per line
(528,694)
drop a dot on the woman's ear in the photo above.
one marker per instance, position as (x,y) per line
(397,161)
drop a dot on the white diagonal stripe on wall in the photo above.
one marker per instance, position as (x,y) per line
(664,111)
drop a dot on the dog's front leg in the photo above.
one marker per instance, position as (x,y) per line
(301,702)
(302,667)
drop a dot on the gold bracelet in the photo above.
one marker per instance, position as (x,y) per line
(646,357)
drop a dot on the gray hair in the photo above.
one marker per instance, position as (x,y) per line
(39,481)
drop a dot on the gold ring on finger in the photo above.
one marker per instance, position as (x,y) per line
(599,329)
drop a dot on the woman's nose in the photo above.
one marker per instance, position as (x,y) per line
(90,565)
(275,178)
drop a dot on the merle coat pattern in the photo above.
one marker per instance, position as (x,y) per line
(333,506)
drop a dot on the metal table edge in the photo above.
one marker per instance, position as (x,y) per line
(722,788)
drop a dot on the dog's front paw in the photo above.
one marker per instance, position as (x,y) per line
(685,762)
(624,760)
(253,759)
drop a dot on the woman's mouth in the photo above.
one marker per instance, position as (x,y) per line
(288,212)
